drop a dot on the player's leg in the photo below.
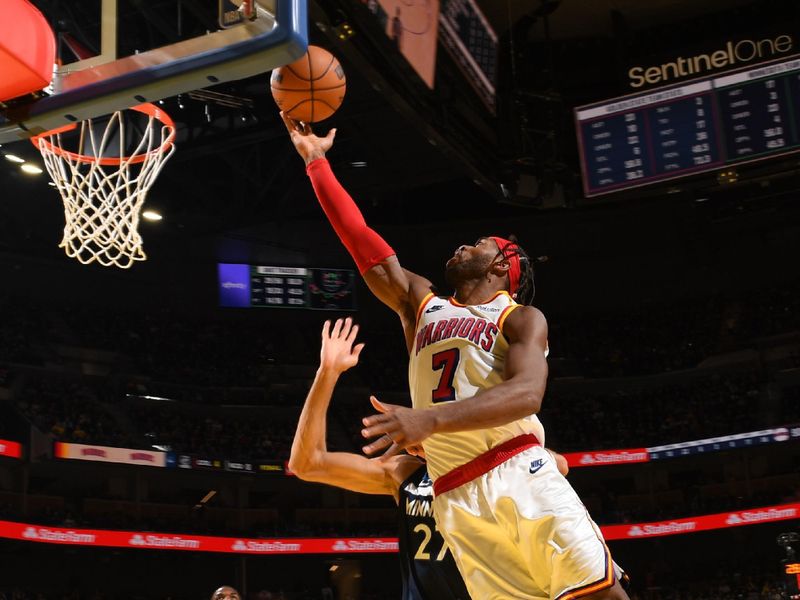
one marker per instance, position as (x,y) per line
(489,562)
(559,542)
(615,592)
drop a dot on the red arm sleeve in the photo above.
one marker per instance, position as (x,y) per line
(365,246)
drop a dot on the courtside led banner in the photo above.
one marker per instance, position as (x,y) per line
(753,516)
(599,458)
(202,543)
(196,543)
(607,457)
(128,456)
(10,449)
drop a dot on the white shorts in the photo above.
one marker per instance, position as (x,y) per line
(520,531)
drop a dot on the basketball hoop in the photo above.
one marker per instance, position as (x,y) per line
(103,190)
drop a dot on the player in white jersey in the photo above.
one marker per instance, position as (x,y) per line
(477,374)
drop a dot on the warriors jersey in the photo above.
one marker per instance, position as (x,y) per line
(458,351)
(429,571)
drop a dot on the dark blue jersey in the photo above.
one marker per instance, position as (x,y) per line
(429,571)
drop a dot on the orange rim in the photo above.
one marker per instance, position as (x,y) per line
(147,108)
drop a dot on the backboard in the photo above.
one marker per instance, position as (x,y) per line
(115,54)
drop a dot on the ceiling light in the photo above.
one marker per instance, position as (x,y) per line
(32,169)
(14,158)
(152,215)
(51,184)
(358,163)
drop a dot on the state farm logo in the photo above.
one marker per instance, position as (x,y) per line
(58,535)
(757,516)
(265,547)
(163,541)
(364,546)
(733,519)
(613,457)
(661,528)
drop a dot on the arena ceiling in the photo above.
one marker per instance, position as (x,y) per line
(235,184)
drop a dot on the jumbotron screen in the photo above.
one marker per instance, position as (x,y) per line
(702,125)
(263,286)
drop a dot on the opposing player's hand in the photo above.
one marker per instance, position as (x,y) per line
(561,462)
(338,352)
(309,146)
(399,427)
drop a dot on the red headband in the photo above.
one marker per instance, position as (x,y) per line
(513,260)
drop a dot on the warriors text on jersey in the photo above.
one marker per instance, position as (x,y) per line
(459,350)
(429,571)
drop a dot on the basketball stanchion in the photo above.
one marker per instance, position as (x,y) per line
(104,178)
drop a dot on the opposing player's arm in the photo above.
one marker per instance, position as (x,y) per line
(310,459)
(519,395)
(401,290)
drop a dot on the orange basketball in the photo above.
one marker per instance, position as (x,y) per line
(311,88)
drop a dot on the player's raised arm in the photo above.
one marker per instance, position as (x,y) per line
(310,459)
(401,290)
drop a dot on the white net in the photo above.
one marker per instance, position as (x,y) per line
(104,185)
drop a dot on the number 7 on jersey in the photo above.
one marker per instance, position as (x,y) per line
(447,362)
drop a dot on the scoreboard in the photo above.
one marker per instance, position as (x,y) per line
(254,286)
(700,126)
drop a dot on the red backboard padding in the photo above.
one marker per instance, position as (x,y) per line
(27,49)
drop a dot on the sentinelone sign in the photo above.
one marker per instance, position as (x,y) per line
(732,53)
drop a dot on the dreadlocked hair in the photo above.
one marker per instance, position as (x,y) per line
(527,285)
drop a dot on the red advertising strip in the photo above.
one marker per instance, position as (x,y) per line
(196,543)
(200,543)
(10,449)
(128,456)
(607,457)
(751,516)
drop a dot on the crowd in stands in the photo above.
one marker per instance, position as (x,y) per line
(659,337)
(230,349)
(790,404)
(721,404)
(583,417)
(68,408)
(244,434)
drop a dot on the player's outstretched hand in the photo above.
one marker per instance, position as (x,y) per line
(338,352)
(309,146)
(399,427)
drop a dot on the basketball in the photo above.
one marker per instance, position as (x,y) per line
(311,88)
